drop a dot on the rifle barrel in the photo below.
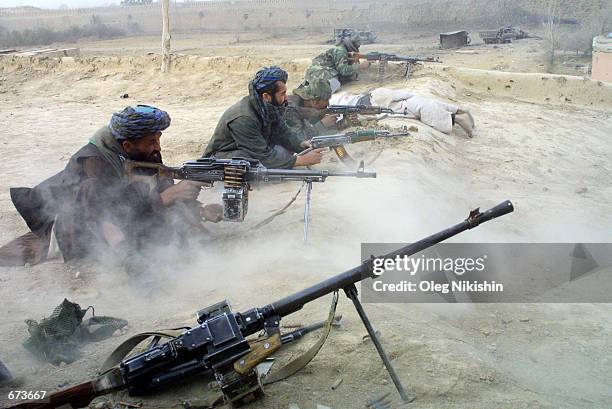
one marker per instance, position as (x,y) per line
(295,174)
(358,174)
(296,301)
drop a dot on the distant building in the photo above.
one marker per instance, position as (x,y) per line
(454,39)
(602,58)
(135,2)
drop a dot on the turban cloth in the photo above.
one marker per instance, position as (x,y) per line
(267,76)
(137,122)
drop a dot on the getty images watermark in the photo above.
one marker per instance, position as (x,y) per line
(479,272)
(422,264)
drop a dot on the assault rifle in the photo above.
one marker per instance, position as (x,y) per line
(346,110)
(238,176)
(357,110)
(219,340)
(336,142)
(383,58)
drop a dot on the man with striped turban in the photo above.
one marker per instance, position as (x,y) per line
(91,209)
(255,126)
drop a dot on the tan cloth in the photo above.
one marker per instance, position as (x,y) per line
(434,113)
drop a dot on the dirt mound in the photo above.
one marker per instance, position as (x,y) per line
(92,78)
(208,73)
(183,64)
(535,87)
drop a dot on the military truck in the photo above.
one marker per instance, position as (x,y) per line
(366,36)
(504,35)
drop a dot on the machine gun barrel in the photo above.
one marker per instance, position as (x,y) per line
(305,175)
(296,301)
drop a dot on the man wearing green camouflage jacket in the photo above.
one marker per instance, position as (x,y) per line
(305,113)
(335,66)
(255,127)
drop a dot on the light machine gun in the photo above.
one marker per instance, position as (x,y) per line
(238,176)
(219,340)
(384,58)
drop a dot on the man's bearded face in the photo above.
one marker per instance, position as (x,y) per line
(145,149)
(280,97)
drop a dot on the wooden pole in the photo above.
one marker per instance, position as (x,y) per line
(165,36)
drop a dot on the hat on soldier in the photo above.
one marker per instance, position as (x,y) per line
(351,43)
(136,122)
(317,89)
(267,76)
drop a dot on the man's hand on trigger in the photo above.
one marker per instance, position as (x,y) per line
(306,144)
(329,121)
(186,190)
(311,158)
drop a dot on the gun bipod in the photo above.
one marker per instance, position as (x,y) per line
(351,293)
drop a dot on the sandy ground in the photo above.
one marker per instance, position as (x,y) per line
(542,141)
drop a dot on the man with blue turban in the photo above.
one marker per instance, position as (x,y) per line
(92,209)
(255,127)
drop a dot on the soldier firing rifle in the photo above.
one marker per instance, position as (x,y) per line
(384,58)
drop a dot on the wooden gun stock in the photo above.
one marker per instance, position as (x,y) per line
(78,396)
(355,57)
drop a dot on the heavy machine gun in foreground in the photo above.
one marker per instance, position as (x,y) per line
(219,340)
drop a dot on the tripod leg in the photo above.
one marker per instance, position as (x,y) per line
(307,210)
(351,292)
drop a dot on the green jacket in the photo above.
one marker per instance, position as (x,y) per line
(332,63)
(304,122)
(243,130)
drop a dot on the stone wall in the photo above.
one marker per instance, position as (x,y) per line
(271,15)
